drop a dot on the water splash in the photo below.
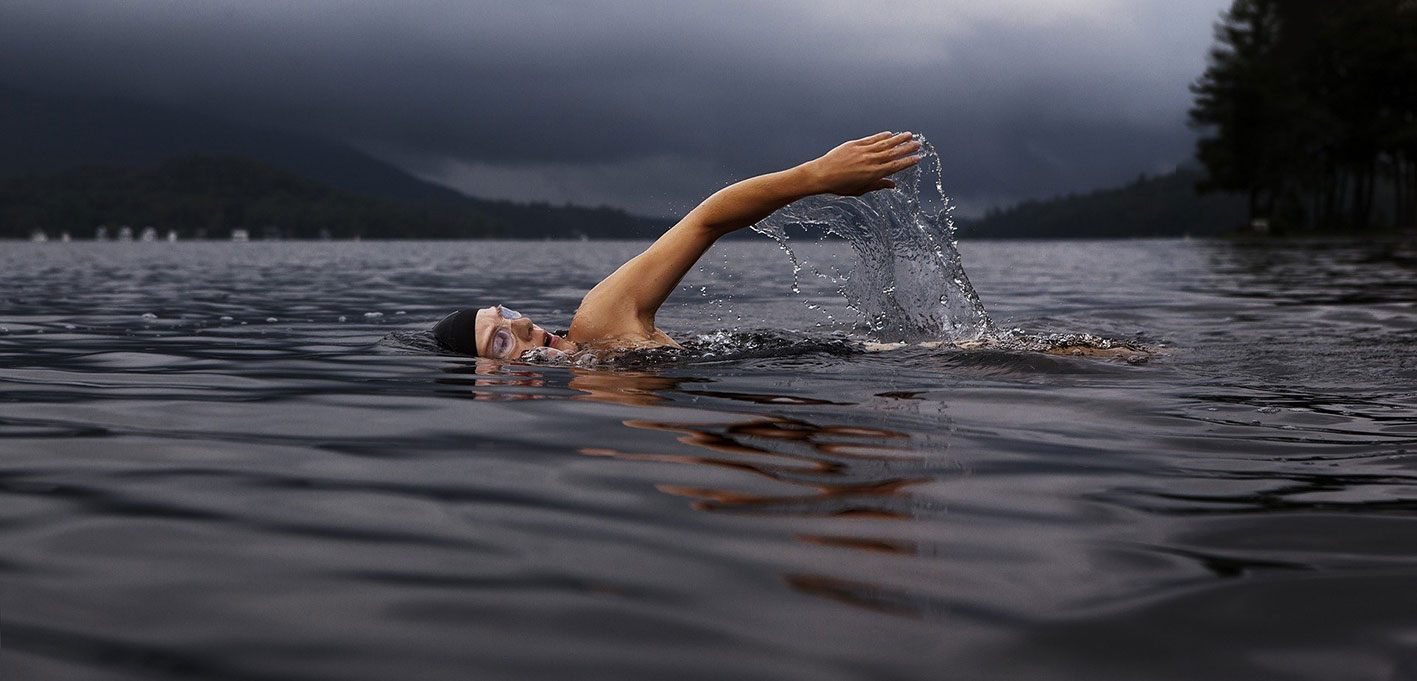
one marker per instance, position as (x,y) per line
(906,280)
(717,346)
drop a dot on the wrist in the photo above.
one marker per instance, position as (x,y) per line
(809,178)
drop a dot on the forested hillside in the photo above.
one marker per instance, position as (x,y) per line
(208,195)
(1164,205)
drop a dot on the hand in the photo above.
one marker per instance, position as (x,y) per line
(861,166)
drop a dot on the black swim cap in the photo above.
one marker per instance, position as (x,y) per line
(458,331)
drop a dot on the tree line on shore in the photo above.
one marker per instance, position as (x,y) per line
(1163,205)
(209,195)
(1309,109)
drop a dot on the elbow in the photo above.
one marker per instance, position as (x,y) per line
(707,225)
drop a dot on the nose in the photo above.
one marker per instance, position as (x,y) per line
(522,326)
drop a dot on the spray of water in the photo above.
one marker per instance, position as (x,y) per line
(906,280)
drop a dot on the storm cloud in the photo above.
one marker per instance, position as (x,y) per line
(651,105)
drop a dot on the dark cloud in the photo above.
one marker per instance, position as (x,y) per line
(650,105)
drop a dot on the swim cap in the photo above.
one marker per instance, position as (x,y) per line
(458,331)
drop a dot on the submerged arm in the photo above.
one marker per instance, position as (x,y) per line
(634,292)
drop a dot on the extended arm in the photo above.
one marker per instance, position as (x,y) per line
(629,298)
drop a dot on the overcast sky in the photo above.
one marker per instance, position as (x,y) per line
(652,104)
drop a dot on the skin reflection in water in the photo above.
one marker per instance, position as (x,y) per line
(825,470)
(494,381)
(791,451)
(822,462)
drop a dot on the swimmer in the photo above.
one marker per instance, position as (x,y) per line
(619,312)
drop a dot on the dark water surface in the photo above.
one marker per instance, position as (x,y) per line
(258,481)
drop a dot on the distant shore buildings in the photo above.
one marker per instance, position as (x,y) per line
(153,234)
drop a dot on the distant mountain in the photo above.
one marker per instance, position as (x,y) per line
(43,134)
(43,138)
(209,195)
(1164,205)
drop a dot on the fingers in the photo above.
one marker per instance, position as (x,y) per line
(876,137)
(900,150)
(901,164)
(891,141)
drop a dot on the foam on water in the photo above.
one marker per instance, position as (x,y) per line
(906,281)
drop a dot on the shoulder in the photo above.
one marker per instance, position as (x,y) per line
(607,319)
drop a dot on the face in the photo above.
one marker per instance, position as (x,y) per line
(504,334)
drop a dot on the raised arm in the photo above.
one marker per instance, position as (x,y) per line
(625,302)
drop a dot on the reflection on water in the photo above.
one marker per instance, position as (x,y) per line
(190,491)
(838,471)
(1318,272)
(821,467)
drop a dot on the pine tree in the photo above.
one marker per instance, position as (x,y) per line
(1309,109)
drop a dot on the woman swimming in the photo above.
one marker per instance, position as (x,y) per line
(619,312)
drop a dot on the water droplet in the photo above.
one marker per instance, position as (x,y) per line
(343,318)
(373,315)
(225,318)
(1268,410)
(149,315)
(271,320)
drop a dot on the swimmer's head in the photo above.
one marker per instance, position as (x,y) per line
(496,332)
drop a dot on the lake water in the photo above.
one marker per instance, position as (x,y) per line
(238,461)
